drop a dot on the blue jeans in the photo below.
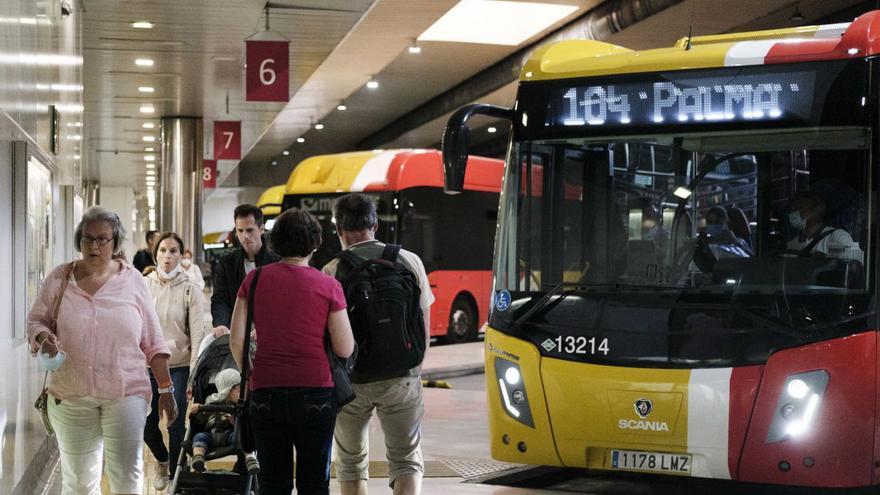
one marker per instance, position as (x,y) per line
(176,430)
(205,440)
(284,418)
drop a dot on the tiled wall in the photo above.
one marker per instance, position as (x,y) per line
(40,65)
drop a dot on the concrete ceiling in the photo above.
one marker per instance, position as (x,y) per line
(199,51)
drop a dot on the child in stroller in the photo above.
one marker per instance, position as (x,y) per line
(216,428)
(205,381)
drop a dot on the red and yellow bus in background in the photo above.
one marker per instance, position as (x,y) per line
(453,236)
(685,277)
(270,202)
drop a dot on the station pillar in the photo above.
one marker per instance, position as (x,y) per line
(180,182)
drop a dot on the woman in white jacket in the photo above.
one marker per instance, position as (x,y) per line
(179,305)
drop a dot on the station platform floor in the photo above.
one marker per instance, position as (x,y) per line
(455,442)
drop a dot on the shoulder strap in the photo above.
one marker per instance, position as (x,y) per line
(64,282)
(390,252)
(246,351)
(812,245)
(350,258)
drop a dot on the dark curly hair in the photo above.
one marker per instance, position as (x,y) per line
(295,233)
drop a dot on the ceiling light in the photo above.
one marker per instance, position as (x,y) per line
(151,165)
(142,25)
(274,162)
(149,139)
(144,62)
(76,157)
(148,125)
(285,153)
(491,130)
(146,89)
(341,107)
(150,173)
(74,124)
(150,149)
(496,22)
(319,126)
(150,158)
(300,140)
(414,48)
(147,109)
(372,84)
(75,137)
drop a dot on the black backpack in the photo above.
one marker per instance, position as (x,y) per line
(383,307)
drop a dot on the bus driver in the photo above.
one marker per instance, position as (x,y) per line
(815,238)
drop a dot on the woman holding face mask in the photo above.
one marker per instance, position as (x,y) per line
(191,269)
(105,335)
(179,304)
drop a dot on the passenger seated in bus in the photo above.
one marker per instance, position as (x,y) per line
(814,238)
(722,241)
(217,428)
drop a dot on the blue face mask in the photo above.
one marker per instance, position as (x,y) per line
(50,363)
(714,230)
(797,220)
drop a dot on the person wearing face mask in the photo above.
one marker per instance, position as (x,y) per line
(723,242)
(105,335)
(191,269)
(179,304)
(814,238)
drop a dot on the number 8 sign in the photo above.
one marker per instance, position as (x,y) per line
(267,72)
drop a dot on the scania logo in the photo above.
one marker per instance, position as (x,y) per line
(644,407)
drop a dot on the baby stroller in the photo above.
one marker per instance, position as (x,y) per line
(213,359)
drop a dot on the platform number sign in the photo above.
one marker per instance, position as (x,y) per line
(209,174)
(227,140)
(268,70)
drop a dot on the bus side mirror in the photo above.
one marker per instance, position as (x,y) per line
(456,138)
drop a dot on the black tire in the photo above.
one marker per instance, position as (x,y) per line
(462,322)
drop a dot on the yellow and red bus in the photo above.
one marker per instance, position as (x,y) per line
(270,202)
(407,186)
(627,332)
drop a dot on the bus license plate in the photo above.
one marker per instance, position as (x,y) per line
(650,461)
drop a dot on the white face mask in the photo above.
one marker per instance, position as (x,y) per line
(186,262)
(169,275)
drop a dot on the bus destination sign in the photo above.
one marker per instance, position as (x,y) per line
(682,100)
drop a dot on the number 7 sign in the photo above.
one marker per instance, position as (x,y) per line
(268,70)
(227,140)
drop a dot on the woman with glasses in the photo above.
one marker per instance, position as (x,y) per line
(179,304)
(106,334)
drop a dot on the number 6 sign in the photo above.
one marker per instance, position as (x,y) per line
(267,73)
(227,140)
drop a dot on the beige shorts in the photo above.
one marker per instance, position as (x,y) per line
(398,404)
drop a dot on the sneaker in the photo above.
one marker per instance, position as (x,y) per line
(253,466)
(198,463)
(160,481)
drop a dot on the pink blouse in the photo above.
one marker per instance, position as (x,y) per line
(109,338)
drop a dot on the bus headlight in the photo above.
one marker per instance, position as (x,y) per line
(512,389)
(797,405)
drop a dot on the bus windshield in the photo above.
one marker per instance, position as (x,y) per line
(728,231)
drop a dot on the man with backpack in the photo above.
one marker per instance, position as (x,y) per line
(389,298)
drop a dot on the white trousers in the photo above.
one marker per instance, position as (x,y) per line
(86,429)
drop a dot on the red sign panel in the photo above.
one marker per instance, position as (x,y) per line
(268,71)
(209,174)
(227,140)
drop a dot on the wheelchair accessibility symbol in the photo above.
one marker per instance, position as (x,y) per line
(502,300)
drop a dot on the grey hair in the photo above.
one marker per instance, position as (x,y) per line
(100,214)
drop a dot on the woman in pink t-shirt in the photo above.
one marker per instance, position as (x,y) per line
(292,401)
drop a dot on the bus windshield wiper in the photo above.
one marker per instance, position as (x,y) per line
(539,305)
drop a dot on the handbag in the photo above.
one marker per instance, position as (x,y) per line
(42,402)
(340,368)
(244,434)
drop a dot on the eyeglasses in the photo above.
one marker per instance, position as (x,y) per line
(88,240)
